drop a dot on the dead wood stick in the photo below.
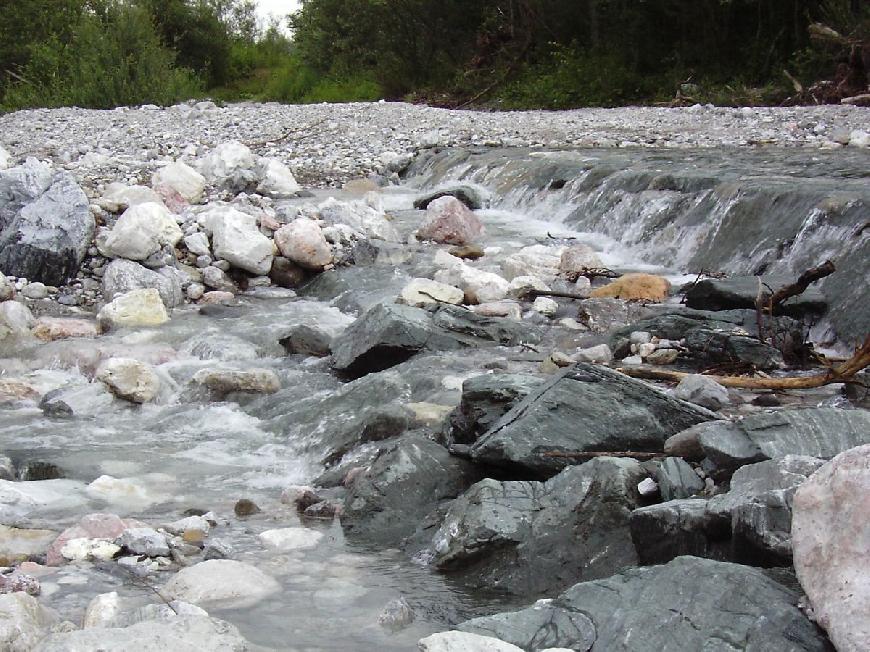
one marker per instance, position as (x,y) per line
(800,286)
(842,373)
(583,455)
(532,294)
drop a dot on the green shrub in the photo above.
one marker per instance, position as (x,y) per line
(571,77)
(111,60)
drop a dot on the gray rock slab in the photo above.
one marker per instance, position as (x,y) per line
(584,408)
(687,604)
(531,538)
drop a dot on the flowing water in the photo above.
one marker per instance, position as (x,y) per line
(673,213)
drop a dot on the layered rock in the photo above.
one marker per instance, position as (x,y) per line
(687,604)
(533,537)
(583,409)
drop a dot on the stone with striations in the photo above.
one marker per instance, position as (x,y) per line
(422,292)
(226,381)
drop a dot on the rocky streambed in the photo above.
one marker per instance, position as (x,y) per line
(357,377)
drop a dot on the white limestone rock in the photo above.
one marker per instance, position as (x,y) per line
(222,581)
(831,543)
(129,379)
(181,179)
(133,309)
(142,230)
(236,239)
(423,292)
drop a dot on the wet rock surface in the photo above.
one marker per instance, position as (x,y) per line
(585,409)
(687,604)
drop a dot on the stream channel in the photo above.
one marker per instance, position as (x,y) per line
(671,213)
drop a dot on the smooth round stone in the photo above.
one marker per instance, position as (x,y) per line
(293,538)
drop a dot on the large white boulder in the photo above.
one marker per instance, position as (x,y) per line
(5,159)
(291,538)
(303,242)
(361,217)
(180,179)
(464,642)
(576,259)
(542,261)
(182,633)
(15,318)
(142,230)
(221,581)
(831,543)
(120,196)
(129,379)
(7,290)
(134,308)
(424,292)
(236,238)
(22,621)
(449,221)
(478,285)
(276,179)
(230,165)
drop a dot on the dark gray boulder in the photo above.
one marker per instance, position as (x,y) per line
(751,523)
(728,337)
(474,198)
(741,292)
(687,604)
(759,507)
(582,409)
(46,225)
(408,479)
(307,340)
(485,399)
(389,334)
(680,527)
(813,432)
(530,538)
(385,336)
(122,276)
(677,479)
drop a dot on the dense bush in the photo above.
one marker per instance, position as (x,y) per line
(112,58)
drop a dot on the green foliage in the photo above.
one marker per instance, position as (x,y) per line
(296,83)
(572,77)
(112,59)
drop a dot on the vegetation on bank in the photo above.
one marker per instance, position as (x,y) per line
(496,53)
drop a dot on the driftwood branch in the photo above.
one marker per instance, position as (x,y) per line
(842,373)
(531,294)
(800,286)
(588,455)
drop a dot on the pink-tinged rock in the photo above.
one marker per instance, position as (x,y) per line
(831,543)
(218,297)
(449,221)
(49,329)
(92,526)
(303,242)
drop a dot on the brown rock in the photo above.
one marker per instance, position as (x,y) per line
(638,287)
(49,329)
(245,507)
(467,252)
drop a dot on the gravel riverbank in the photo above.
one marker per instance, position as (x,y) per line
(327,144)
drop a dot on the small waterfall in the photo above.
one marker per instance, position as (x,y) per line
(741,212)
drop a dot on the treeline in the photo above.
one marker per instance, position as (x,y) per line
(561,53)
(106,53)
(501,53)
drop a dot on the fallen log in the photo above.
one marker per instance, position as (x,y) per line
(588,455)
(842,373)
(800,286)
